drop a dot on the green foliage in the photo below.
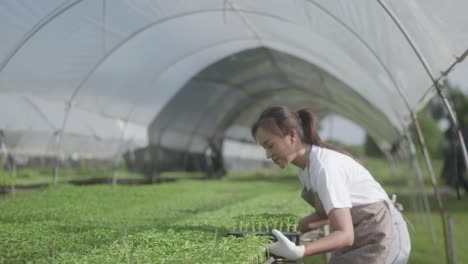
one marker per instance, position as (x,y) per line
(2,161)
(274,173)
(265,223)
(356,151)
(460,104)
(187,221)
(432,134)
(183,222)
(45,176)
(429,118)
(410,193)
(371,149)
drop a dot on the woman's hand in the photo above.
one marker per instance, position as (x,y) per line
(285,248)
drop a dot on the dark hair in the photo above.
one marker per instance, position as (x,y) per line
(280,120)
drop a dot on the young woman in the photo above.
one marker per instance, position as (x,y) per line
(367,227)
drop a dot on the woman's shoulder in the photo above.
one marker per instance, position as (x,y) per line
(326,155)
(332,159)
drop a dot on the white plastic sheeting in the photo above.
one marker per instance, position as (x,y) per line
(31,128)
(141,62)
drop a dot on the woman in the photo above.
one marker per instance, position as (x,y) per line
(367,228)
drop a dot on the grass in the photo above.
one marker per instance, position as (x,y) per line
(172,223)
(427,236)
(185,221)
(27,177)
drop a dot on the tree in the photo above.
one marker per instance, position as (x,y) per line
(428,120)
(433,135)
(371,149)
(454,168)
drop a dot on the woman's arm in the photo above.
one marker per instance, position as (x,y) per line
(342,235)
(313,221)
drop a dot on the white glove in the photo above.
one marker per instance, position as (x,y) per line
(285,248)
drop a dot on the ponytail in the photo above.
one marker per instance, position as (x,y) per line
(308,124)
(280,121)
(311,135)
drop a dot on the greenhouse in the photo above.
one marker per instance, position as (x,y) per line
(145,92)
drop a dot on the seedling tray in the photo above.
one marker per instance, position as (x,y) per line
(293,236)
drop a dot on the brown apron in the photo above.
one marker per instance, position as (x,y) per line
(372,232)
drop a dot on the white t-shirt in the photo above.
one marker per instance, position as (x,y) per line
(339,180)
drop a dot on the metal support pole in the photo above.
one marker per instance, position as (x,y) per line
(115,165)
(391,165)
(326,232)
(434,183)
(418,128)
(117,156)
(114,174)
(415,162)
(58,155)
(13,180)
(3,161)
(429,72)
(451,240)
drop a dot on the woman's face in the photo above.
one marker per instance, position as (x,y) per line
(281,150)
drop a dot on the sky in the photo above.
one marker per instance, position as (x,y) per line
(338,128)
